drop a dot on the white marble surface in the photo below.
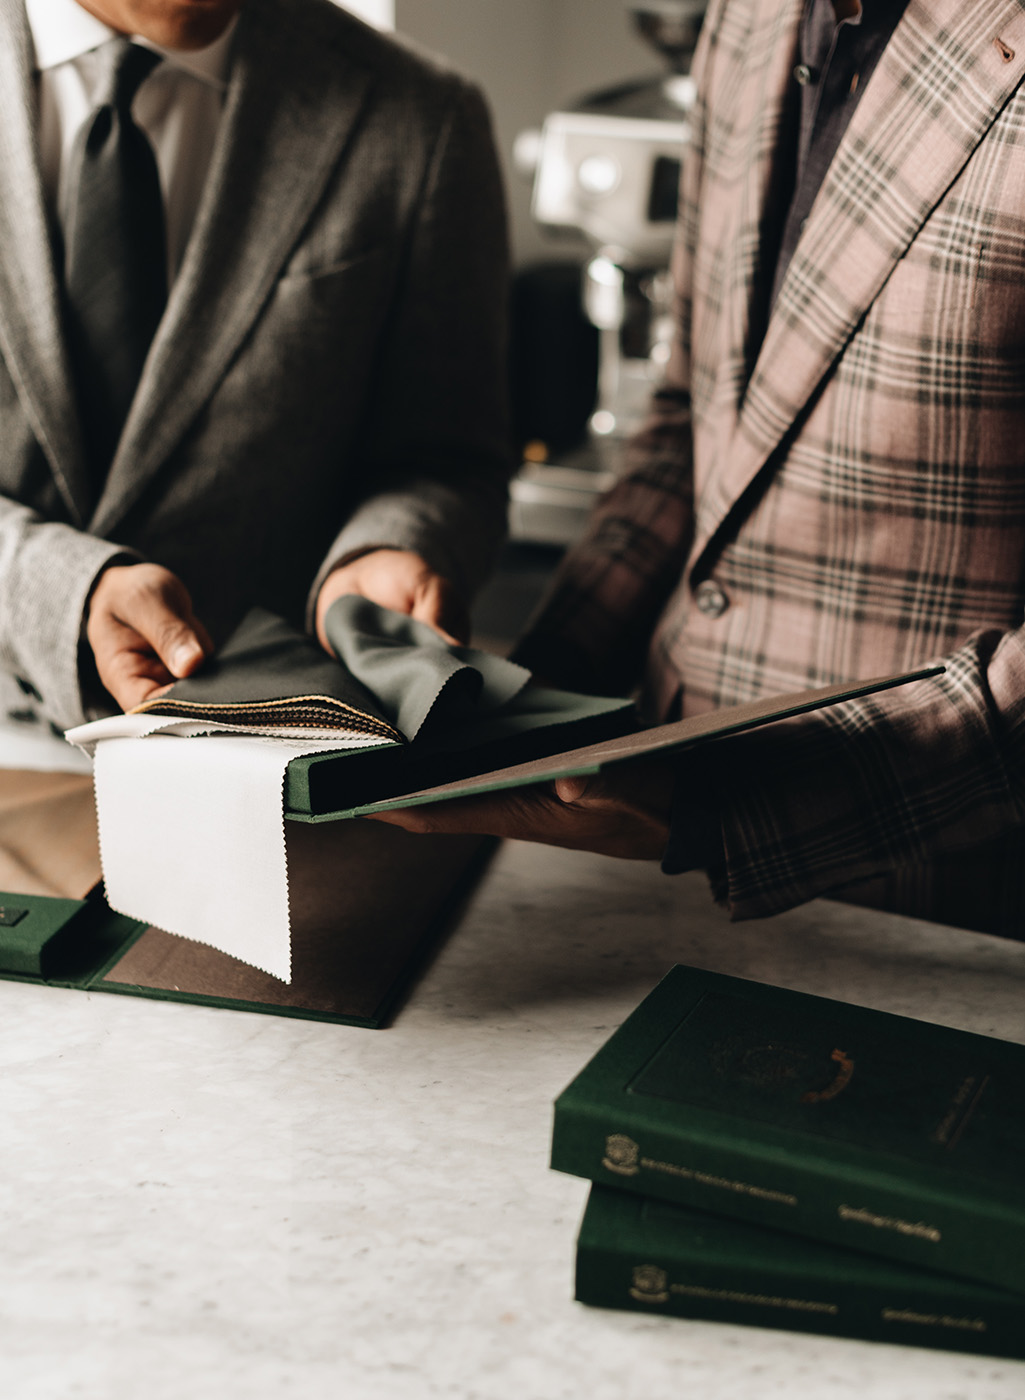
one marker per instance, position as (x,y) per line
(201,1203)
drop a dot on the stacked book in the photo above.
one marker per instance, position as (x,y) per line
(766,1157)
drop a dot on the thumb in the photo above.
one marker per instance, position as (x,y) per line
(572,789)
(161,613)
(178,637)
(181,649)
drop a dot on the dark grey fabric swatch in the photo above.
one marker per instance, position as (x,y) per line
(415,674)
(392,674)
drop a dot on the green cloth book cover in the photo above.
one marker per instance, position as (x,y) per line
(872,1131)
(649,1256)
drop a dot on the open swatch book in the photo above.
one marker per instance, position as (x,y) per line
(192,787)
(399,709)
(401,717)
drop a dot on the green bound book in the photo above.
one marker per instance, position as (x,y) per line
(652,1257)
(875,1132)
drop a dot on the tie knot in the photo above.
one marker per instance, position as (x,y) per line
(127,66)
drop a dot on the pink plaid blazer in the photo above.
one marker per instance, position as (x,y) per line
(840,492)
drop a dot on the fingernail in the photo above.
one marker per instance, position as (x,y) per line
(185,657)
(570,789)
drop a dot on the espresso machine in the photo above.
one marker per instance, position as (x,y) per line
(608,167)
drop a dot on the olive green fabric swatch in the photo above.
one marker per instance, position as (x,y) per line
(414,673)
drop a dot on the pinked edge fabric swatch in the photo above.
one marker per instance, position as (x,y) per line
(192,839)
(416,677)
(192,835)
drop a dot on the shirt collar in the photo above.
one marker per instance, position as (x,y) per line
(62,30)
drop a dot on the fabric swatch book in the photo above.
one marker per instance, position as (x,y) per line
(192,832)
(400,717)
(862,1129)
(645,1255)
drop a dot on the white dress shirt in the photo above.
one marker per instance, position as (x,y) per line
(178,106)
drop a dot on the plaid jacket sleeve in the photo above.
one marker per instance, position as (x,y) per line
(594,628)
(904,779)
(851,487)
(593,631)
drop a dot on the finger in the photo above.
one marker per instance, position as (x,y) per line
(525,814)
(439,605)
(464,818)
(131,674)
(386,577)
(162,616)
(608,827)
(333,587)
(136,690)
(408,818)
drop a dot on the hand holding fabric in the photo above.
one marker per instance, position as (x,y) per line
(142,631)
(400,580)
(622,813)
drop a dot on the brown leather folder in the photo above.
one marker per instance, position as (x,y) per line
(359,933)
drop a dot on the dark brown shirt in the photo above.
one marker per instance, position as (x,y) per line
(841,43)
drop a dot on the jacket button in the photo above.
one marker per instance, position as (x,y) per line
(710,599)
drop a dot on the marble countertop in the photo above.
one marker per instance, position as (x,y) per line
(209,1203)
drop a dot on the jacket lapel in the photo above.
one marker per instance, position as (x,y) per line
(30,324)
(269,168)
(939,86)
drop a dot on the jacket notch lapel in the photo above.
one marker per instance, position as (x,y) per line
(31,334)
(270,166)
(750,148)
(939,85)
(761,93)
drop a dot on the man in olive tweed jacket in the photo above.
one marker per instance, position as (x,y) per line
(835,492)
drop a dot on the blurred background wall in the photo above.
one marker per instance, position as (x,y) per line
(530,56)
(379,12)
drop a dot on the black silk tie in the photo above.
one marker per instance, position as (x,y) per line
(115,254)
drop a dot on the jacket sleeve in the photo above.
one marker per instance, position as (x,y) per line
(439,454)
(593,629)
(47,572)
(908,777)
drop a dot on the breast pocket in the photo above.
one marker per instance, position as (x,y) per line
(307,368)
(320,334)
(324,286)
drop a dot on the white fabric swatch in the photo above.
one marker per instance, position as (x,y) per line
(132,726)
(192,837)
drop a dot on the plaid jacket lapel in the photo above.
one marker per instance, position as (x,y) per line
(943,79)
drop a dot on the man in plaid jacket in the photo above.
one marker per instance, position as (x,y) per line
(832,485)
